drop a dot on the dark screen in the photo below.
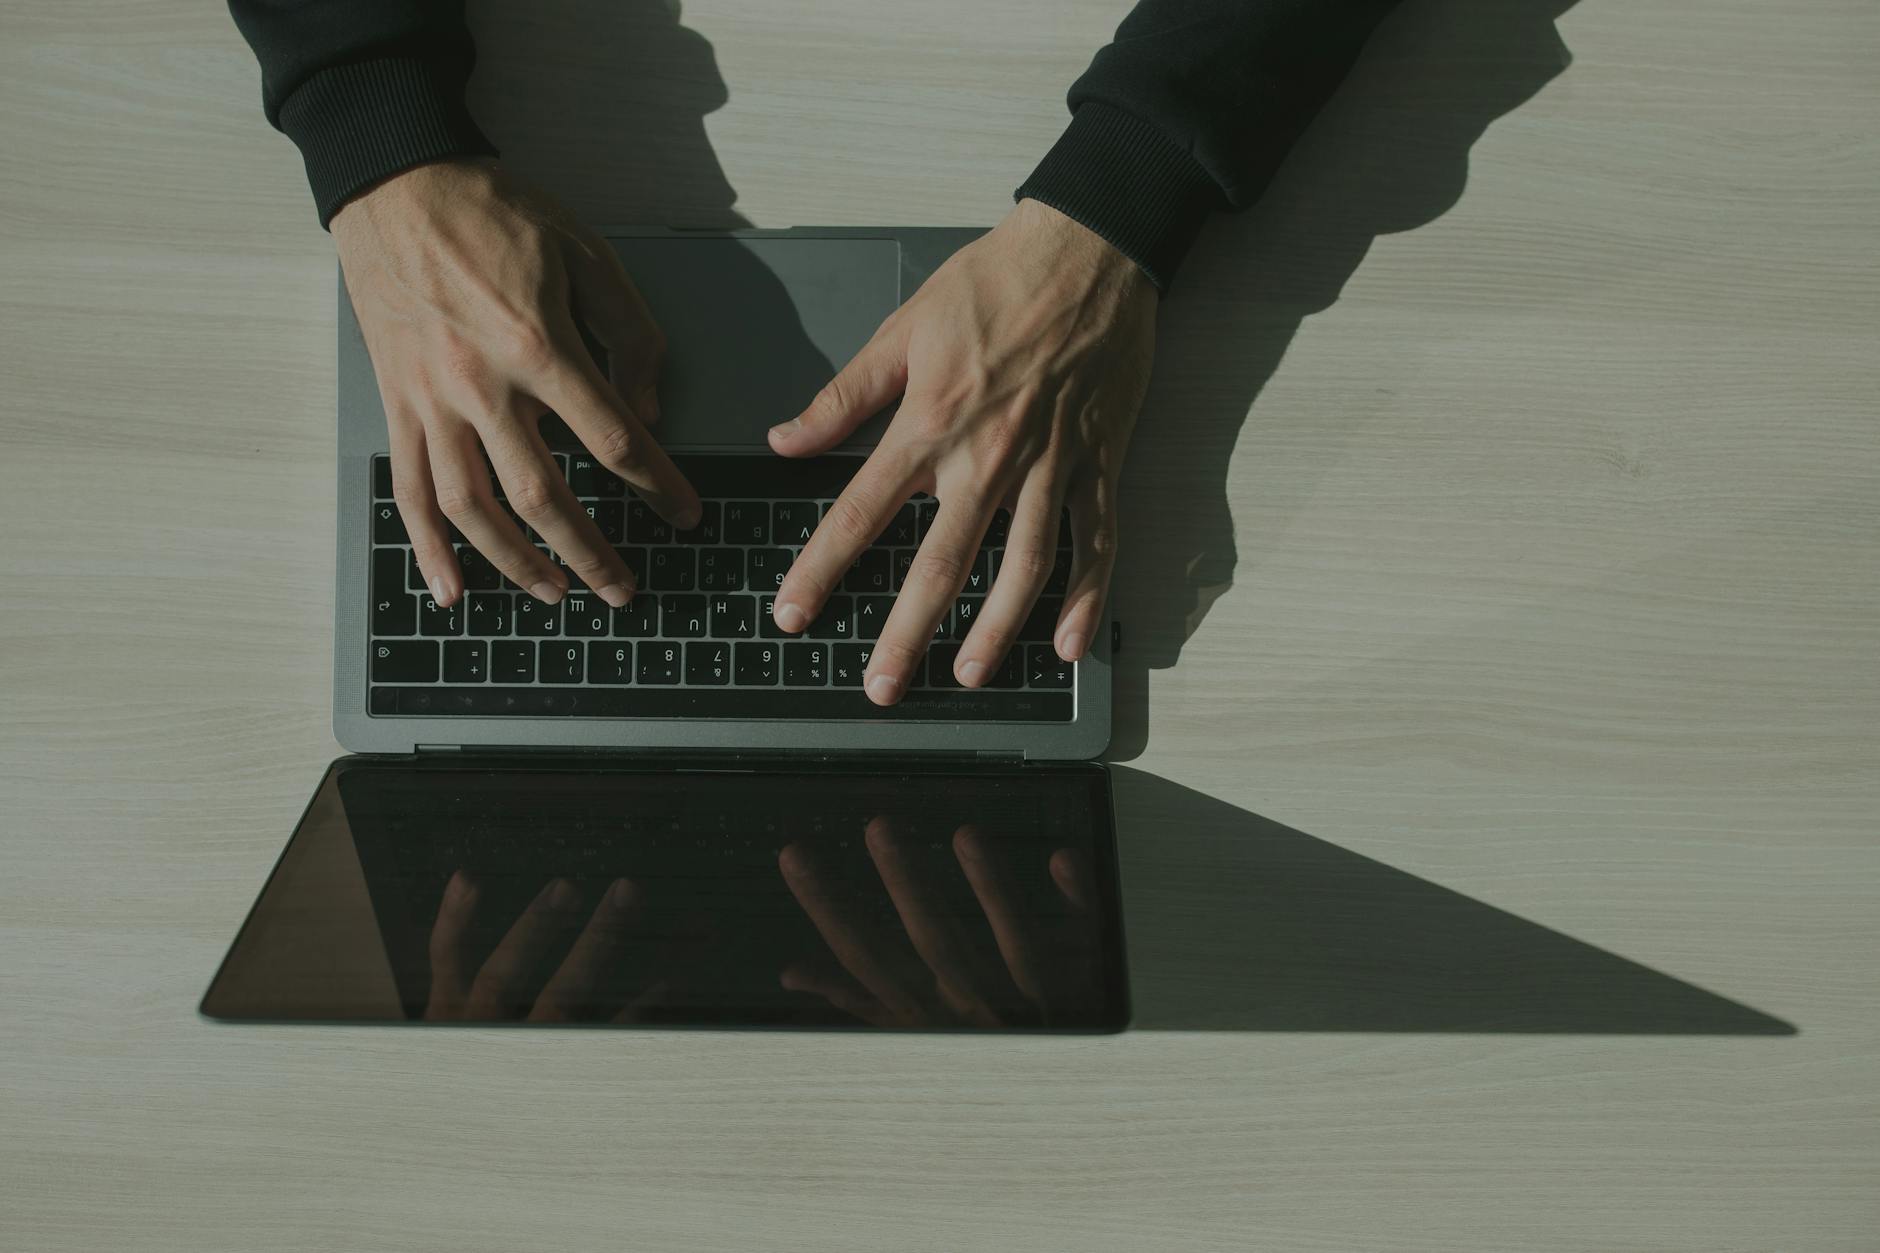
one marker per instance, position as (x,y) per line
(830,896)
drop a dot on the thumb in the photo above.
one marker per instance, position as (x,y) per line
(872,380)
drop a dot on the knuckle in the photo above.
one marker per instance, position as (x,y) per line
(938,565)
(852,518)
(460,360)
(1029,563)
(532,497)
(458,500)
(832,401)
(617,446)
(527,345)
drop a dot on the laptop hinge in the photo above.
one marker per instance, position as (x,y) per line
(1010,755)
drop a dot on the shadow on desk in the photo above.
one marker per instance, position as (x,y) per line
(1237,923)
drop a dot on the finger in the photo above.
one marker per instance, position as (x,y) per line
(859,955)
(656,994)
(450,962)
(1093,561)
(1003,911)
(462,480)
(1030,549)
(611,307)
(938,944)
(497,991)
(1070,870)
(417,505)
(574,389)
(933,582)
(872,380)
(597,948)
(839,990)
(542,498)
(854,521)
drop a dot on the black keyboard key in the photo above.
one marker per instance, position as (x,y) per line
(535,617)
(965,613)
(903,562)
(1000,527)
(466,661)
(388,571)
(434,619)
(382,478)
(901,530)
(746,522)
(767,627)
(560,661)
(1011,671)
(848,663)
(1064,528)
(387,526)
(490,613)
(869,574)
(644,526)
(611,517)
(835,622)
(757,665)
(708,663)
(871,614)
(978,577)
(734,617)
(792,522)
(610,662)
(708,530)
(805,665)
(940,665)
(1044,668)
(1042,624)
(765,568)
(673,570)
(720,569)
(635,560)
(414,577)
(404,661)
(682,617)
(589,477)
(478,574)
(394,613)
(925,512)
(512,661)
(659,663)
(639,618)
(1059,580)
(585,615)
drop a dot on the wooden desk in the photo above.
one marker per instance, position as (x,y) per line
(1502,609)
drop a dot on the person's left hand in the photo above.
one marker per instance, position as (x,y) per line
(1020,364)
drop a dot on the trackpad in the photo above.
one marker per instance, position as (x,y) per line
(755,326)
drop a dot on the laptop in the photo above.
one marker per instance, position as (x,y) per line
(672,813)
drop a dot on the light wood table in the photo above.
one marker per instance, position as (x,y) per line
(1502,594)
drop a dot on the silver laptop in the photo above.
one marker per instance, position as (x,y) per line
(756,321)
(668,814)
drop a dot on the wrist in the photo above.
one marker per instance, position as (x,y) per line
(1064,241)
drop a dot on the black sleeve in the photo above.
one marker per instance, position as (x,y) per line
(1190,109)
(364,88)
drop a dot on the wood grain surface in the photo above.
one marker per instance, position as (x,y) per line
(1499,696)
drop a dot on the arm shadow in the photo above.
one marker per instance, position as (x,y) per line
(1389,153)
(1237,923)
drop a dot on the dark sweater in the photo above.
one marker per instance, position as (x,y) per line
(1190,109)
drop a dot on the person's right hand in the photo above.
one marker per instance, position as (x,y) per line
(466,284)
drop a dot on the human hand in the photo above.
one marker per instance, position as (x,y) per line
(1046,963)
(1021,364)
(504,985)
(466,284)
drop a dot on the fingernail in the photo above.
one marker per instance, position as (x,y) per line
(617,594)
(973,673)
(546,592)
(788,617)
(787,429)
(439,592)
(1072,648)
(884,689)
(562,896)
(617,895)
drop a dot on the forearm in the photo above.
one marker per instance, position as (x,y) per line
(1191,109)
(364,88)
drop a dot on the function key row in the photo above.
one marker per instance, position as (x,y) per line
(698,663)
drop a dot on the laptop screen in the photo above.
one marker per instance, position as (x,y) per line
(691,893)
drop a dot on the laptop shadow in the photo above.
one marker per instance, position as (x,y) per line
(1389,153)
(1237,923)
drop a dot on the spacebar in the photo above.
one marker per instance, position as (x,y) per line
(748,703)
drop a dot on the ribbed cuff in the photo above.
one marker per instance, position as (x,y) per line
(1128,182)
(357,124)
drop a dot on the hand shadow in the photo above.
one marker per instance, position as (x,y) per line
(1389,153)
(1237,923)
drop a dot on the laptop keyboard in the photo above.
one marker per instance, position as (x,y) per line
(697,639)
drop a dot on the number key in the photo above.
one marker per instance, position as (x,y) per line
(561,661)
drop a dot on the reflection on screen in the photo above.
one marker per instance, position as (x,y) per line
(946,899)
